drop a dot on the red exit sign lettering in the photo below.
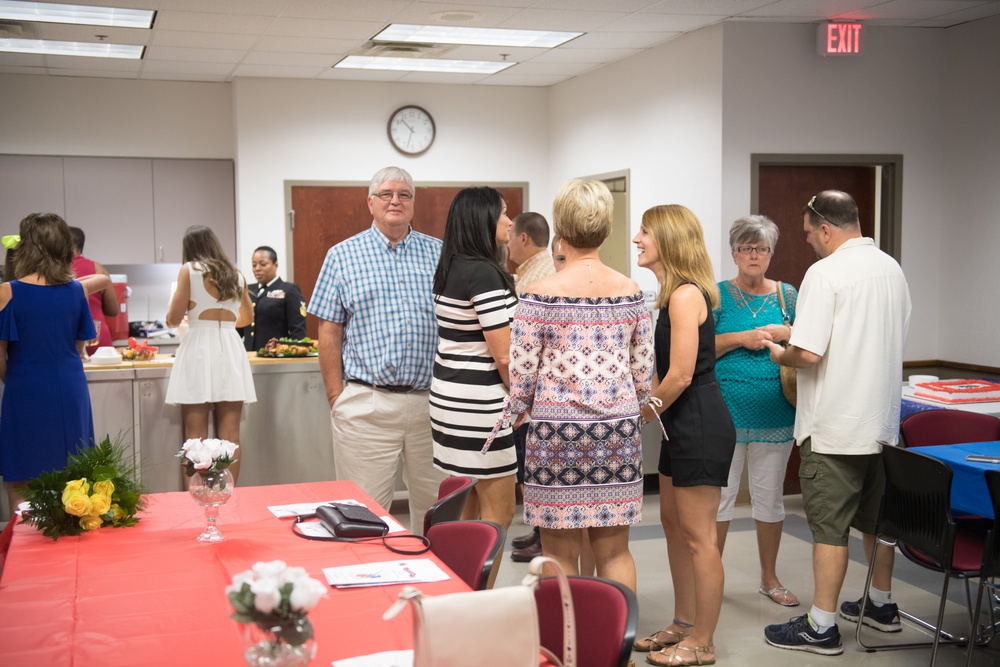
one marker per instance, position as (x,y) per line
(838,39)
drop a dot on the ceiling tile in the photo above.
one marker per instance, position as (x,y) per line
(253,7)
(662,22)
(596,5)
(170,53)
(442,77)
(202,40)
(434,13)
(362,75)
(95,73)
(305,44)
(551,69)
(345,10)
(510,79)
(194,68)
(564,20)
(208,22)
(275,58)
(362,30)
(620,40)
(278,72)
(709,7)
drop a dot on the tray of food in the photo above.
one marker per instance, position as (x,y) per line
(289,347)
(137,351)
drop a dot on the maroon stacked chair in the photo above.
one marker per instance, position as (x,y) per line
(606,612)
(469,548)
(452,494)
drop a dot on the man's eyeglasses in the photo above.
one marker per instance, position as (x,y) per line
(751,249)
(387,195)
(813,209)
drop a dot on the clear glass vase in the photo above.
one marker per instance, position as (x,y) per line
(279,644)
(210,489)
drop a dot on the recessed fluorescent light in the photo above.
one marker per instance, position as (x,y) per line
(424,64)
(47,47)
(77,14)
(444,34)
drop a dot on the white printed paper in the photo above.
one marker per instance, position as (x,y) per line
(383,659)
(386,573)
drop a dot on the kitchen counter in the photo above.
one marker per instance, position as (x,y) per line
(285,435)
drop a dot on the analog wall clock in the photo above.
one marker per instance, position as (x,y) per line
(411,130)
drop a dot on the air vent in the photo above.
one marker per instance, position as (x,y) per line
(402,50)
(15,30)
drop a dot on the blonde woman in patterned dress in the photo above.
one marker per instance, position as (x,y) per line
(581,365)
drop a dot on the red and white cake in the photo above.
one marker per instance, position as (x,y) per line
(959,391)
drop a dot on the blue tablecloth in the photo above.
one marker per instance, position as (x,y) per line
(968,487)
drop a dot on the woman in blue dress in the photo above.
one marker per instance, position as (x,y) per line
(749,314)
(44,325)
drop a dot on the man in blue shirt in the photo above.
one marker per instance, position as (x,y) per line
(377,337)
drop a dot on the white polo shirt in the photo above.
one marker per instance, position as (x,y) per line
(854,312)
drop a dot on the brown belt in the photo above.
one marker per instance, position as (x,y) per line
(391,388)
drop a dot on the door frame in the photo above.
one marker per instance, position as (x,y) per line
(289,222)
(625,174)
(890,189)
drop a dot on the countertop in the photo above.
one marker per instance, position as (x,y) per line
(167,360)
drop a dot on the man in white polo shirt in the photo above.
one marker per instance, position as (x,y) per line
(851,322)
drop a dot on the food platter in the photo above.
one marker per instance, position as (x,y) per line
(281,348)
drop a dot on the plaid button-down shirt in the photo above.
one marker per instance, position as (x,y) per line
(383,297)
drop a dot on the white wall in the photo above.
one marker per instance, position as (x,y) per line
(969,240)
(52,115)
(658,114)
(336,131)
(781,97)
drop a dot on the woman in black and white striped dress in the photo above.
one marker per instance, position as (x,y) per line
(474,302)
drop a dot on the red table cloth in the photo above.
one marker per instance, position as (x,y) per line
(151,595)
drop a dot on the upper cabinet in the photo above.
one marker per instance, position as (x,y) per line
(133,210)
(192,192)
(29,184)
(111,200)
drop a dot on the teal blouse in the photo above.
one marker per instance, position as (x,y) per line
(749,379)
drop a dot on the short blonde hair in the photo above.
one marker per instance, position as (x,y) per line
(582,213)
(680,245)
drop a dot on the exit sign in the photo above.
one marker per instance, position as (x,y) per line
(838,39)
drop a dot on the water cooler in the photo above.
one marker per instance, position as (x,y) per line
(119,323)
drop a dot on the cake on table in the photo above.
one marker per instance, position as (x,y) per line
(959,391)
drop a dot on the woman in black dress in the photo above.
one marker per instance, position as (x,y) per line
(695,460)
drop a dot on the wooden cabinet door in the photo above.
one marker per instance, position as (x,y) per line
(111,200)
(192,192)
(326,215)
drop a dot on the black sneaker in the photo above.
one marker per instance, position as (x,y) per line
(798,635)
(884,618)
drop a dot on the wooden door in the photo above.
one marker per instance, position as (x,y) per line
(784,190)
(326,215)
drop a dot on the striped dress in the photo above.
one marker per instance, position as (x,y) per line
(467,393)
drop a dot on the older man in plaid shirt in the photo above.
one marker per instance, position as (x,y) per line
(377,337)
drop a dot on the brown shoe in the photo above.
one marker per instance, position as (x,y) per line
(526,554)
(523,541)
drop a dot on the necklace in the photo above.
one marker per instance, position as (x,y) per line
(753,313)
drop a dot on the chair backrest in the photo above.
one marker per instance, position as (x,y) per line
(469,548)
(916,507)
(452,494)
(991,553)
(948,427)
(5,539)
(606,614)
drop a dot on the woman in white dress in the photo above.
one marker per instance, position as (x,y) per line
(211,369)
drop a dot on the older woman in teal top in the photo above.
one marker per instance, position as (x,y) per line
(749,314)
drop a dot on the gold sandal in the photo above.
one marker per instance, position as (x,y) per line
(673,659)
(651,643)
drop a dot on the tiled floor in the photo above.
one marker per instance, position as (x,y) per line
(739,639)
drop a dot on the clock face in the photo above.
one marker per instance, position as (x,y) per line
(411,130)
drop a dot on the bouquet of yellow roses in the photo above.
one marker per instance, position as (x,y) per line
(98,487)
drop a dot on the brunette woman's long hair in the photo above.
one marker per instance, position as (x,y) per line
(471,233)
(202,245)
(46,248)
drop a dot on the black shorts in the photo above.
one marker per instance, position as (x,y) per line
(702,437)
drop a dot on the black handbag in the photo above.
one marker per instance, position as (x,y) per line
(357,523)
(344,520)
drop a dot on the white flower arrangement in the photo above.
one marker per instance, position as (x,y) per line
(207,455)
(273,594)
